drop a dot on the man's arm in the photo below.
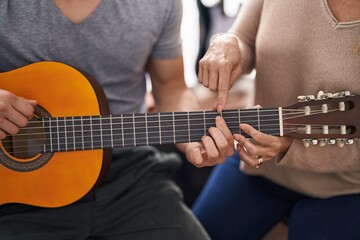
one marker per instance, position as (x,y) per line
(172,94)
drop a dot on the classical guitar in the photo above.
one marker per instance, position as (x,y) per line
(65,149)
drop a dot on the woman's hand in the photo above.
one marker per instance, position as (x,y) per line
(14,112)
(220,66)
(263,146)
(213,149)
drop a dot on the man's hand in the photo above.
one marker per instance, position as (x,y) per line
(214,148)
(15,112)
(221,66)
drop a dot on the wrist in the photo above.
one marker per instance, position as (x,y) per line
(225,35)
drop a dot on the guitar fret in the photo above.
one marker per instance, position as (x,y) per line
(258,114)
(101,133)
(173,123)
(82,132)
(146,129)
(91,133)
(66,148)
(204,116)
(133,116)
(159,128)
(43,124)
(57,133)
(122,130)
(188,118)
(111,132)
(73,129)
(239,116)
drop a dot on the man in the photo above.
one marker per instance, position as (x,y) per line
(115,41)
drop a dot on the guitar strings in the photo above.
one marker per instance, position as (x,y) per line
(149,132)
(138,129)
(163,121)
(140,141)
(57,149)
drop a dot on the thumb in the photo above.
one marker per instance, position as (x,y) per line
(32,102)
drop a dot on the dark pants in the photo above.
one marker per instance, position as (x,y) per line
(137,201)
(233,205)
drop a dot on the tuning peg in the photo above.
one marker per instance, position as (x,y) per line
(341,94)
(322,95)
(342,141)
(326,141)
(306,98)
(307,142)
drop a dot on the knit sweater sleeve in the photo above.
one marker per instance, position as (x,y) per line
(245,27)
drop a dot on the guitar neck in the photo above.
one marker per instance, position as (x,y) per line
(130,130)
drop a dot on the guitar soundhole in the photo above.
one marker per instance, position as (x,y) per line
(27,143)
(24,151)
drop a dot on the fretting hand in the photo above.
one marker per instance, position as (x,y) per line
(262,146)
(214,148)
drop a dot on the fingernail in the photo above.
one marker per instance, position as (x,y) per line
(219,108)
(236,136)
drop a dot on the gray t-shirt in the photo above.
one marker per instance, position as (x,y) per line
(113,44)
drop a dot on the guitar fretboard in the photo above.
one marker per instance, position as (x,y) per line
(130,130)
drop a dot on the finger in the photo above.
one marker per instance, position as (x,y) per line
(2,134)
(245,157)
(221,124)
(205,78)
(213,80)
(32,102)
(224,85)
(252,149)
(259,137)
(197,157)
(220,141)
(211,149)
(16,117)
(8,127)
(24,107)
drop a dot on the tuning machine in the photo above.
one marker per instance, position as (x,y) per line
(308,142)
(306,98)
(344,141)
(326,141)
(322,95)
(341,94)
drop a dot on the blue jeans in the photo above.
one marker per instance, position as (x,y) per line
(233,205)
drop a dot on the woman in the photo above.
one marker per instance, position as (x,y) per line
(297,48)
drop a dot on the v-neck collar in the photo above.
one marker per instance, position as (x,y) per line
(88,18)
(335,21)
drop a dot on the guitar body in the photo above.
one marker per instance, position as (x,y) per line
(67,176)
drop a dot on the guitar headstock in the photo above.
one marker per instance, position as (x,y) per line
(326,119)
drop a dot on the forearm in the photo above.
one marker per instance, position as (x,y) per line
(178,100)
(245,27)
